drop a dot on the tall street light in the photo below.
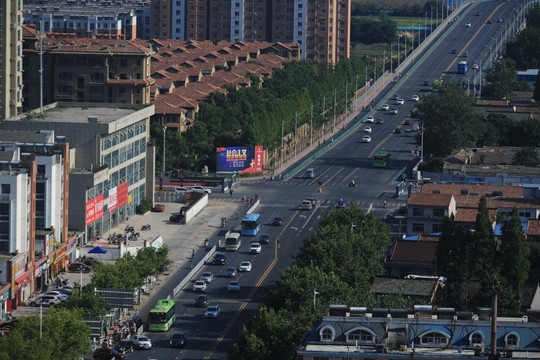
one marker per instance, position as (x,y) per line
(164,129)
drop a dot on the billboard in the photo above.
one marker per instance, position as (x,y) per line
(118,196)
(94,209)
(240,159)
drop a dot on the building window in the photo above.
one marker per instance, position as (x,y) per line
(6,188)
(434,338)
(363,336)
(327,333)
(436,228)
(511,340)
(476,338)
(418,227)
(438,213)
(418,211)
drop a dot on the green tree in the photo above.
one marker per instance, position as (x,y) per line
(502,80)
(527,156)
(450,121)
(513,260)
(87,302)
(536,93)
(65,336)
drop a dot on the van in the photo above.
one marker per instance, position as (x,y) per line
(310,173)
(306,205)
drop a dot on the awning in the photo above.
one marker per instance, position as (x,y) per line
(97,250)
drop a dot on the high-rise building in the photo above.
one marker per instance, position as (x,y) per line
(10,58)
(322,29)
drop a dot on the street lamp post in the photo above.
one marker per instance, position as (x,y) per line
(315,293)
(164,129)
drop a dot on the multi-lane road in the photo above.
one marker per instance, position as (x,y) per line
(348,159)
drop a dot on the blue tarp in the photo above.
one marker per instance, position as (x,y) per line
(97,250)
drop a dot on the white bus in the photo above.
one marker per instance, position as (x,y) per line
(232,241)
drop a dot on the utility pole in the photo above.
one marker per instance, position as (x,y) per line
(356,93)
(295,132)
(311,126)
(335,104)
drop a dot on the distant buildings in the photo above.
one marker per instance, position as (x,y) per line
(11,82)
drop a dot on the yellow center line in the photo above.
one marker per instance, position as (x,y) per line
(472,38)
(251,294)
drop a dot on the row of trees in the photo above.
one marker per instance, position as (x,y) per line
(523,48)
(255,116)
(415,10)
(468,257)
(339,261)
(65,335)
(451,122)
(370,31)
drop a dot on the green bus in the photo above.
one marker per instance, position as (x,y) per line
(162,316)
(381,159)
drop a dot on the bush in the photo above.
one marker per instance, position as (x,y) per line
(144,206)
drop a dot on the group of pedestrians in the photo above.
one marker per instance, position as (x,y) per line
(251,201)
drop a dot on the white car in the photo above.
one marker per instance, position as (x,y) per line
(141,342)
(468,24)
(474,66)
(45,300)
(245,266)
(400,101)
(182,189)
(255,248)
(415,98)
(200,285)
(385,107)
(62,296)
(393,111)
(366,139)
(370,119)
(367,129)
(201,189)
(207,277)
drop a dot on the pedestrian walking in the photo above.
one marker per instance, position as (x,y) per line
(237,215)
(206,242)
(243,198)
(193,254)
(230,192)
(278,243)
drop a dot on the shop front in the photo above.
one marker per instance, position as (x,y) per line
(60,261)
(5,305)
(20,279)
(40,275)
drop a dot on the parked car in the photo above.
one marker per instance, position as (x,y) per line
(277,221)
(201,300)
(141,342)
(255,248)
(245,266)
(468,24)
(207,276)
(234,286)
(178,340)
(124,346)
(212,312)
(175,218)
(78,266)
(158,208)
(367,129)
(231,272)
(182,189)
(478,14)
(219,259)
(415,98)
(199,285)
(62,296)
(370,119)
(264,239)
(201,189)
(385,107)
(108,354)
(44,300)
(366,139)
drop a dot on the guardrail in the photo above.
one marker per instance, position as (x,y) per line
(193,271)
(399,173)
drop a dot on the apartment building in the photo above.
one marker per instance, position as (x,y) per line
(10,58)
(112,169)
(99,70)
(322,29)
(34,240)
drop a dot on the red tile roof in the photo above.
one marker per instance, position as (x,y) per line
(455,189)
(421,199)
(468,215)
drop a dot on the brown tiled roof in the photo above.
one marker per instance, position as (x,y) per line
(60,43)
(468,215)
(533,228)
(508,191)
(131,82)
(405,287)
(417,251)
(421,199)
(29,30)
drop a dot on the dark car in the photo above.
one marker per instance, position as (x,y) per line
(264,239)
(175,218)
(397,130)
(158,208)
(201,300)
(426,83)
(108,354)
(124,346)
(219,259)
(489,22)
(178,340)
(77,267)
(454,51)
(277,221)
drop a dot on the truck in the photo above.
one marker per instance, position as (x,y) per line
(462,67)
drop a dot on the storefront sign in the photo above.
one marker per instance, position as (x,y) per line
(94,209)
(118,196)
(18,264)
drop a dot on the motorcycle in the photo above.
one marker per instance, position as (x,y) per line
(146,227)
(352,184)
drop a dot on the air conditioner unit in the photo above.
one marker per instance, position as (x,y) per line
(13,25)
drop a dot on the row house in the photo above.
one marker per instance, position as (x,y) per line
(35,243)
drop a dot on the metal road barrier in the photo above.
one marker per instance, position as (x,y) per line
(193,271)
